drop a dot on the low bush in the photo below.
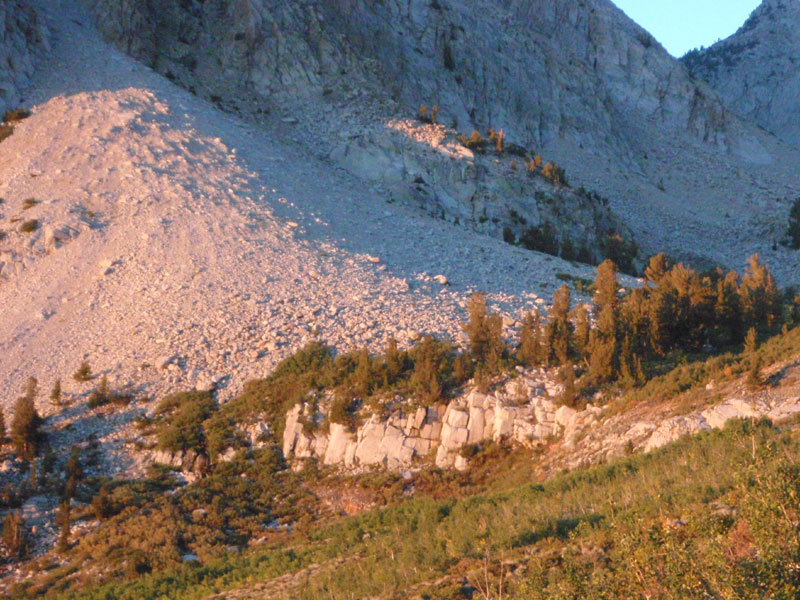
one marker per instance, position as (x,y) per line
(15,115)
(84,373)
(29,226)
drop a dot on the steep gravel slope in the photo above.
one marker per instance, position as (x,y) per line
(178,245)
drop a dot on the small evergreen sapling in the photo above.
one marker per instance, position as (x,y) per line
(84,372)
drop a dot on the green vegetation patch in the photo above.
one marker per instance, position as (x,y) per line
(707,515)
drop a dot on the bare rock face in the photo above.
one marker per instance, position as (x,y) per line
(521,412)
(545,71)
(576,81)
(756,71)
(22,38)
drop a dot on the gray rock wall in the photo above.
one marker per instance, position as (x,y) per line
(756,71)
(522,412)
(22,38)
(547,72)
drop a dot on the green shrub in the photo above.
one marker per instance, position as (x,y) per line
(474,142)
(183,416)
(5,132)
(15,115)
(84,373)
(29,226)
(29,203)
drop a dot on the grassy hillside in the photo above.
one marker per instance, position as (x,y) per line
(712,516)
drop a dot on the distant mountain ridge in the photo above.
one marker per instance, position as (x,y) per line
(756,71)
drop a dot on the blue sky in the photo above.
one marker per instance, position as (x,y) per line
(681,25)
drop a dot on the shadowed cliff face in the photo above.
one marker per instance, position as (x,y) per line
(544,71)
(22,38)
(575,81)
(756,71)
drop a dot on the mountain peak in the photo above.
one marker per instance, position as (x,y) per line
(756,71)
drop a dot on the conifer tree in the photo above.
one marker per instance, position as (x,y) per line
(750,342)
(64,522)
(559,329)
(728,309)
(25,434)
(2,428)
(754,379)
(102,504)
(393,361)
(485,334)
(761,300)
(569,394)
(362,376)
(582,330)
(14,534)
(74,473)
(662,309)
(604,345)
(55,394)
(84,372)
(527,351)
(657,268)
(425,378)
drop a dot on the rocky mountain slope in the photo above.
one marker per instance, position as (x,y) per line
(23,38)
(577,82)
(755,71)
(175,246)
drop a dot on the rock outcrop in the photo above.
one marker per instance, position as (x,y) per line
(522,411)
(22,38)
(756,71)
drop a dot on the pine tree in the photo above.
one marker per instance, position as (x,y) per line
(84,372)
(582,329)
(728,309)
(754,379)
(485,333)
(393,362)
(14,534)
(569,394)
(425,378)
(74,473)
(527,351)
(657,268)
(559,329)
(662,310)
(362,376)
(31,388)
(604,345)
(55,394)
(2,428)
(25,434)
(750,343)
(761,300)
(102,504)
(64,521)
